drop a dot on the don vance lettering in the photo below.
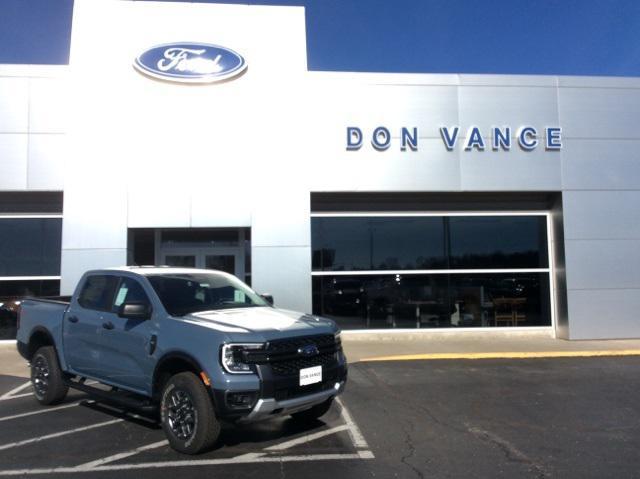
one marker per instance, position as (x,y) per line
(502,138)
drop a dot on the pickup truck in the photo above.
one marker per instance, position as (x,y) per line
(199,347)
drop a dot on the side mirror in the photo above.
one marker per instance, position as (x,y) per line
(268,298)
(135,310)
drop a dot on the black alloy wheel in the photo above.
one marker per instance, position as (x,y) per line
(181,414)
(40,376)
(47,378)
(187,414)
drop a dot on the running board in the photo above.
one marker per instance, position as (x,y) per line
(123,399)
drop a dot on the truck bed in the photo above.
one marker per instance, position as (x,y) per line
(51,299)
(47,313)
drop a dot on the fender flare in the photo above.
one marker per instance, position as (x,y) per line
(40,331)
(171,356)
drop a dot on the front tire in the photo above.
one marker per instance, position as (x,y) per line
(313,413)
(187,414)
(47,378)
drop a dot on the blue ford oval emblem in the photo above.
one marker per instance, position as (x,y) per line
(190,62)
(309,350)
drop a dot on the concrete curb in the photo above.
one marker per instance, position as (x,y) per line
(506,355)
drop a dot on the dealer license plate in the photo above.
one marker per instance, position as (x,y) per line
(310,375)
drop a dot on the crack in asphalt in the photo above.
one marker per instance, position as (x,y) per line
(411,451)
(510,452)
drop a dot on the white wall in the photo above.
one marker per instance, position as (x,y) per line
(32,127)
(152,154)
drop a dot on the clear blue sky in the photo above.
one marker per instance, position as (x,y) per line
(558,37)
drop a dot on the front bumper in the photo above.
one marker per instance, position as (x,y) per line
(267,408)
(281,395)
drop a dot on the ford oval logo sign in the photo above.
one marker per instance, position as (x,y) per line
(190,63)
(308,350)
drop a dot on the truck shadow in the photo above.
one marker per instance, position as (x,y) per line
(149,421)
(265,431)
(232,434)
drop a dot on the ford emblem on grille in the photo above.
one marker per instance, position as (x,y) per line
(190,62)
(309,350)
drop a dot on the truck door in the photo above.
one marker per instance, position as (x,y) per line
(128,344)
(83,325)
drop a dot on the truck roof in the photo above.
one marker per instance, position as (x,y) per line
(152,270)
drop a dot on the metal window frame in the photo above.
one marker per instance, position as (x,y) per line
(20,216)
(550,270)
(29,278)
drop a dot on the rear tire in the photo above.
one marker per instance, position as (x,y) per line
(47,378)
(313,413)
(187,414)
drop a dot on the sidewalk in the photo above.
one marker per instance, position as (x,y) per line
(472,345)
(11,363)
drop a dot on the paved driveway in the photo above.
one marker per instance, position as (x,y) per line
(485,418)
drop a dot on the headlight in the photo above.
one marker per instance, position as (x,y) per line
(232,358)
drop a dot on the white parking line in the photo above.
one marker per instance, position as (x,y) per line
(12,394)
(9,394)
(122,455)
(16,396)
(307,438)
(39,411)
(245,459)
(248,458)
(354,431)
(58,434)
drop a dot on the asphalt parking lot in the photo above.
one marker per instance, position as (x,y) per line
(577,417)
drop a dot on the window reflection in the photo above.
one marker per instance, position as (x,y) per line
(380,243)
(408,243)
(30,246)
(11,294)
(434,301)
(498,242)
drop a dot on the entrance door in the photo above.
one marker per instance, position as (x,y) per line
(223,258)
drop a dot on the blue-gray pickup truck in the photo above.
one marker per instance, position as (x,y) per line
(198,346)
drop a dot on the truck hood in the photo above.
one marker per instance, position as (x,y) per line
(262,322)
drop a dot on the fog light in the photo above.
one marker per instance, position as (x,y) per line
(241,400)
(336,386)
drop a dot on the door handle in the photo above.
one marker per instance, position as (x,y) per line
(72,319)
(107,325)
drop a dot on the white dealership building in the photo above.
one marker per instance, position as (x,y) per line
(407,201)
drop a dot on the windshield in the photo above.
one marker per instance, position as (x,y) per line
(192,292)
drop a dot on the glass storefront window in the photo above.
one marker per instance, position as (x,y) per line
(30,246)
(433,301)
(379,298)
(498,242)
(200,236)
(377,243)
(504,299)
(12,292)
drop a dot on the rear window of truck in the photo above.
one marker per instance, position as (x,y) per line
(97,292)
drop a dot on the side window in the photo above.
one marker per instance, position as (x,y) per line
(97,292)
(130,291)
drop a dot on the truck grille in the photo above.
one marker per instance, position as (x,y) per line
(286,361)
(293,366)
